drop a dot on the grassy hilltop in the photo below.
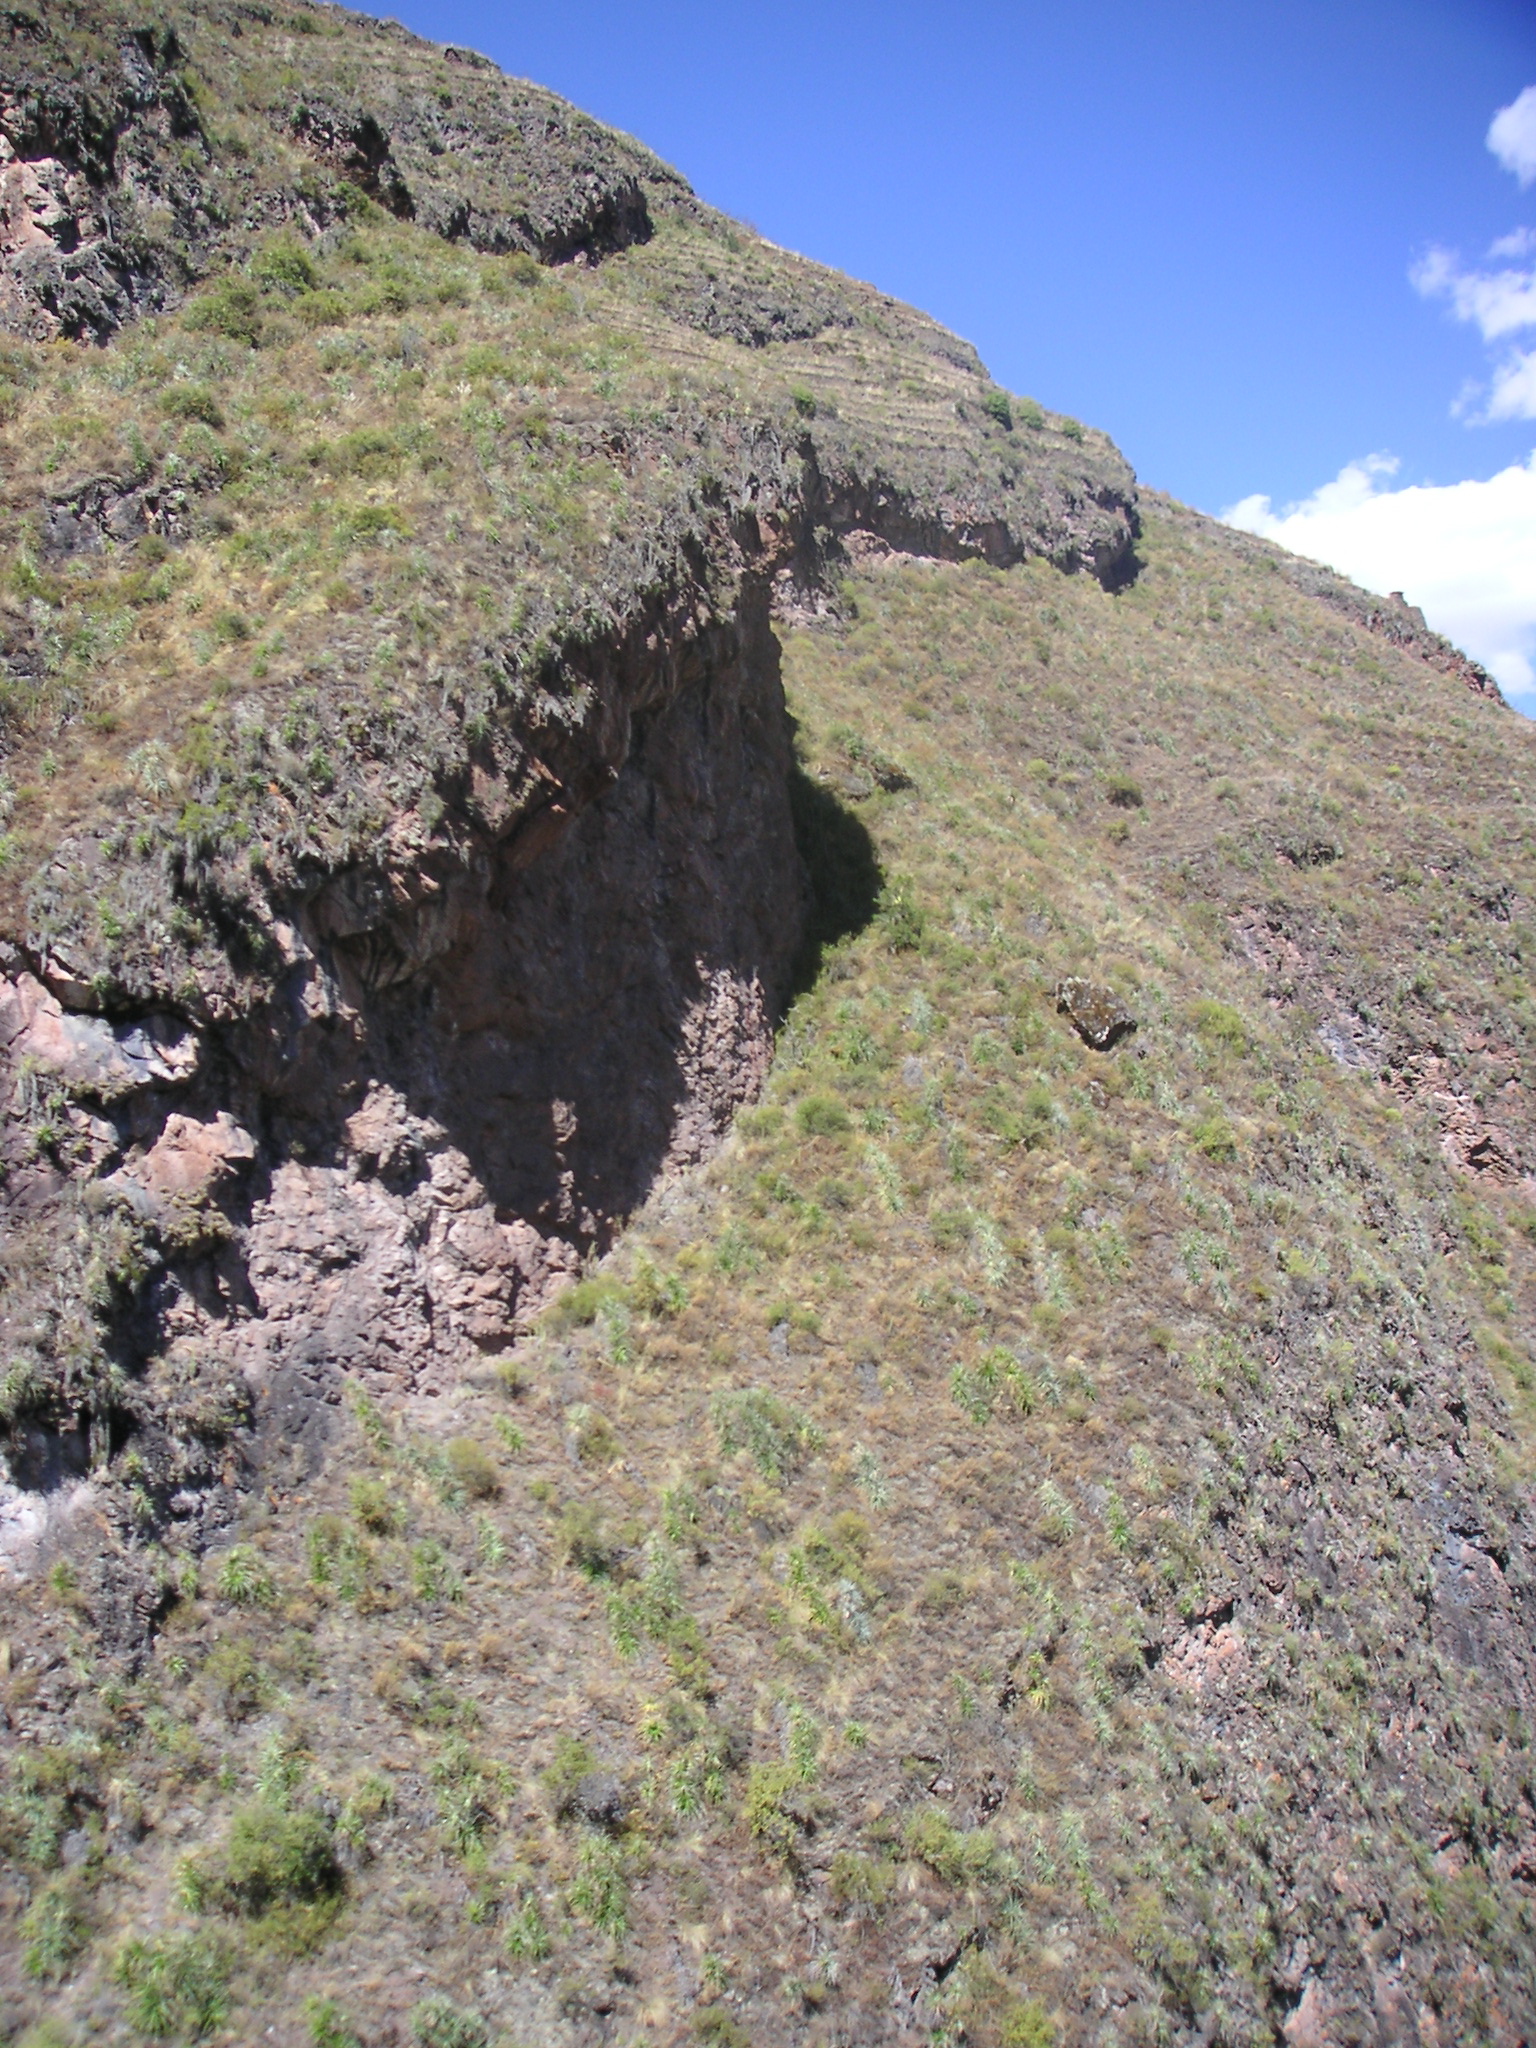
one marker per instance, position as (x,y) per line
(619,1429)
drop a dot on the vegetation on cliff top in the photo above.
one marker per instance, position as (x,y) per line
(291,561)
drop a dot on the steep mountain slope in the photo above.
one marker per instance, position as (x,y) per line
(769,1237)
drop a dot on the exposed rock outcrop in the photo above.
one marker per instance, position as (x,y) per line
(1468,1080)
(1098,1016)
(115,194)
(458,1085)
(96,161)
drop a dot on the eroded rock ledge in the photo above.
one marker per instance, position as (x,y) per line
(462,1060)
(461,1077)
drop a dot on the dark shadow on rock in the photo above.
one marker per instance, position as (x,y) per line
(608,1005)
(613,1001)
(842,868)
(42,1460)
(1123,572)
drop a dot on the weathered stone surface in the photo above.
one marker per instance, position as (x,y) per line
(88,154)
(103,150)
(89,516)
(1097,1013)
(598,1799)
(190,1159)
(39,1505)
(1471,1080)
(38,1035)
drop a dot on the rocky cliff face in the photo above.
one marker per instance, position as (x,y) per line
(461,1077)
(118,188)
(468,1054)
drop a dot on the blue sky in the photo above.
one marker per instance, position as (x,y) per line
(1192,223)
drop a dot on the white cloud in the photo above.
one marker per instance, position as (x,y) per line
(1512,136)
(1513,396)
(1464,553)
(1500,302)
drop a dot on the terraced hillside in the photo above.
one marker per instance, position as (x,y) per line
(769,1244)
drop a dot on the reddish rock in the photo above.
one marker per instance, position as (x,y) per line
(190,1159)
